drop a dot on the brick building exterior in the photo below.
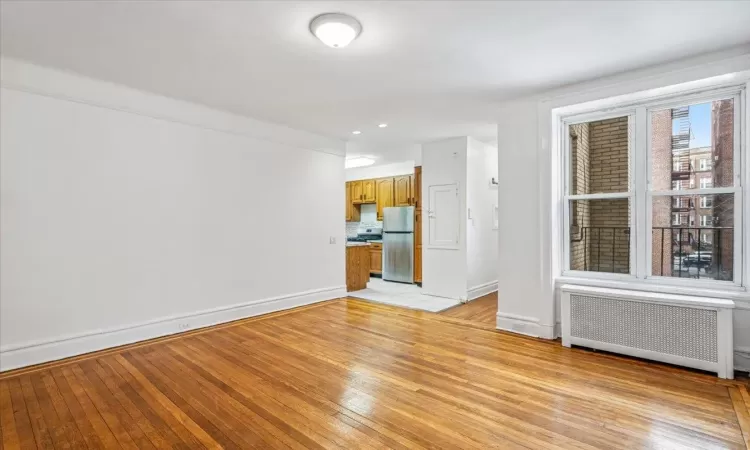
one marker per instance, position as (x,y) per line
(600,235)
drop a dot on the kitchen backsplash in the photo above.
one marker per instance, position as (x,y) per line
(351,229)
(368,216)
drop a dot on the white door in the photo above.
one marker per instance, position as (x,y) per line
(443,215)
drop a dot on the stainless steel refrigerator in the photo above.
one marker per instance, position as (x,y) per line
(398,244)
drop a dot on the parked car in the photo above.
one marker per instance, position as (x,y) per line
(701,260)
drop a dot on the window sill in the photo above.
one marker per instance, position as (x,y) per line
(736,293)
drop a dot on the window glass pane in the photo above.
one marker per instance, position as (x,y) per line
(599,156)
(692,147)
(600,235)
(692,236)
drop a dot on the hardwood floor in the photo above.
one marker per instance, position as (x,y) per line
(352,374)
(482,310)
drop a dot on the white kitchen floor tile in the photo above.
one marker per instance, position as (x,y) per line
(402,294)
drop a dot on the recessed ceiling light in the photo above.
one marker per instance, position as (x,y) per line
(356,132)
(358,161)
(335,30)
(383,125)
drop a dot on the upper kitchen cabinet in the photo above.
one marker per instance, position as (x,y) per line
(384,188)
(352,211)
(402,190)
(357,194)
(348,190)
(368,191)
(416,189)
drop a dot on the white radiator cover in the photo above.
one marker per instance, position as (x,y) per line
(683,330)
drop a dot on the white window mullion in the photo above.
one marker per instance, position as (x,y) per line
(604,196)
(566,156)
(642,176)
(691,192)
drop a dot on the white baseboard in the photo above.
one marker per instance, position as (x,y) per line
(528,326)
(16,356)
(742,359)
(481,290)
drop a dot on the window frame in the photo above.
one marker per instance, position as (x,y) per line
(567,197)
(640,194)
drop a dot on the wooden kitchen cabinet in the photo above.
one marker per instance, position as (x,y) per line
(376,258)
(418,264)
(402,190)
(357,194)
(352,209)
(384,193)
(357,267)
(348,204)
(416,189)
(417,202)
(418,228)
(369,192)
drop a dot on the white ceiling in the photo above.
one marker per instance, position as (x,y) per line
(428,69)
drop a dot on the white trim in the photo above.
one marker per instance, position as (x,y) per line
(729,292)
(651,297)
(529,326)
(29,353)
(481,290)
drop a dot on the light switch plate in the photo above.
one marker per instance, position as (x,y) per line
(332,240)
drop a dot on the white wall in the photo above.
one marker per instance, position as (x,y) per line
(126,216)
(385,170)
(521,307)
(527,269)
(444,270)
(481,237)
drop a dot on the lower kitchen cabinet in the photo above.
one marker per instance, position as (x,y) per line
(418,264)
(376,258)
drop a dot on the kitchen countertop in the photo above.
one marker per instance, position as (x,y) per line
(377,241)
(357,244)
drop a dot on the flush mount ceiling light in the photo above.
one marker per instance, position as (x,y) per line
(335,30)
(358,161)
(383,125)
(356,132)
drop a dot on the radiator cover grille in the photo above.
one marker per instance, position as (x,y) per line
(680,331)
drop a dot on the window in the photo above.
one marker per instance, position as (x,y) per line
(600,194)
(628,189)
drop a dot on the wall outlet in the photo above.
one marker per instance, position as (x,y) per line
(183,326)
(332,240)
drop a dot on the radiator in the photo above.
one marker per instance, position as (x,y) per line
(683,330)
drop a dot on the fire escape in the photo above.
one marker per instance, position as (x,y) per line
(682,169)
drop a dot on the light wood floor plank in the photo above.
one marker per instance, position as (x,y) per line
(354,374)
